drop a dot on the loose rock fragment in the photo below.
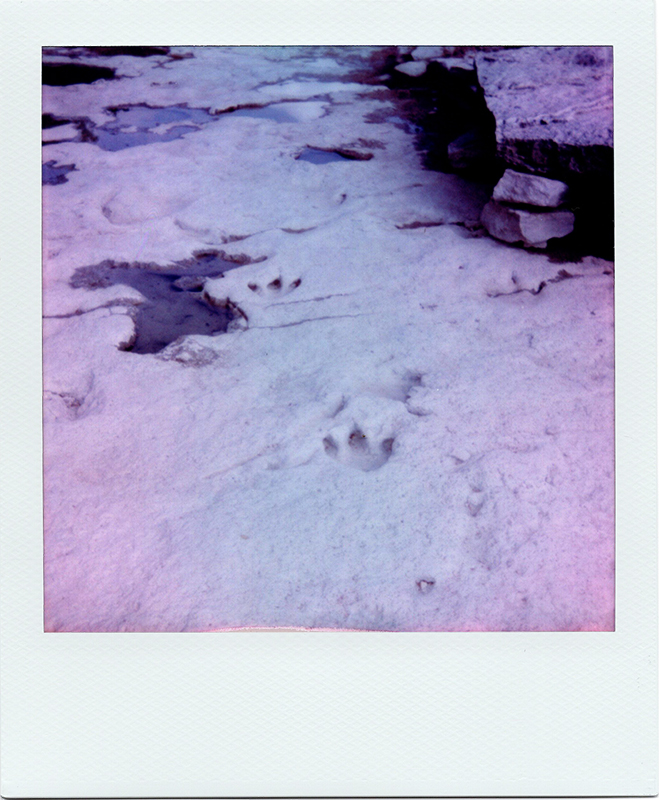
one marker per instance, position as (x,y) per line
(534,190)
(531,228)
(413,68)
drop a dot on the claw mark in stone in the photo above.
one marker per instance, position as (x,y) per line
(276,287)
(330,446)
(357,440)
(358,451)
(365,430)
(475,501)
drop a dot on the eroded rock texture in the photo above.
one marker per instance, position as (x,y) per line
(534,190)
(553,108)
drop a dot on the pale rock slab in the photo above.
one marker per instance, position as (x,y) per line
(534,190)
(553,106)
(413,68)
(424,52)
(60,133)
(516,225)
(467,62)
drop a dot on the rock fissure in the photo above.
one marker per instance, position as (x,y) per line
(538,111)
(303,321)
(127,303)
(313,299)
(563,275)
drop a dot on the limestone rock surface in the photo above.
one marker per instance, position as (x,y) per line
(553,105)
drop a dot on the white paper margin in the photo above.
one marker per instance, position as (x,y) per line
(329,714)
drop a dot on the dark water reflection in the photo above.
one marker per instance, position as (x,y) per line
(173,306)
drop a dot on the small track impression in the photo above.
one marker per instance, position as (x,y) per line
(358,451)
(475,502)
(425,585)
(277,287)
(365,432)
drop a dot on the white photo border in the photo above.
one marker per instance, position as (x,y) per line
(252,714)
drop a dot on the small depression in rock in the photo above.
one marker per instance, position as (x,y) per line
(53,173)
(173,306)
(315,156)
(264,112)
(139,124)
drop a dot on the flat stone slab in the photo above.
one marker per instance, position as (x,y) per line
(553,105)
(531,228)
(413,68)
(534,190)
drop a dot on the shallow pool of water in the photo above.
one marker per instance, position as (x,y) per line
(145,117)
(138,125)
(315,156)
(173,306)
(134,125)
(111,139)
(53,173)
(266,112)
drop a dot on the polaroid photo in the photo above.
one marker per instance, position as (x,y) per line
(330,400)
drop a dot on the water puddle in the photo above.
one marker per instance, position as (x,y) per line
(119,140)
(53,173)
(315,156)
(173,306)
(133,126)
(146,117)
(265,112)
(138,125)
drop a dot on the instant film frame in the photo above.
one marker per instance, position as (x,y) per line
(331,714)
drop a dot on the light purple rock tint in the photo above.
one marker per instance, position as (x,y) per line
(534,190)
(405,427)
(532,228)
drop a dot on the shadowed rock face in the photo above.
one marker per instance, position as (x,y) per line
(453,125)
(547,111)
(139,52)
(67,74)
(553,108)
(561,96)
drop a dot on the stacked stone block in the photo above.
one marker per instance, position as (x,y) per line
(528,209)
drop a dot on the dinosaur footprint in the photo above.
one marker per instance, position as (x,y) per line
(277,287)
(365,432)
(249,297)
(357,451)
